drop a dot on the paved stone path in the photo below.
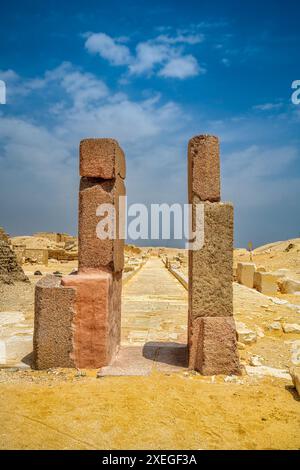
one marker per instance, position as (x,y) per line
(154,306)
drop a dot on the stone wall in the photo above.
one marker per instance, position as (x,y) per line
(38,255)
(55,236)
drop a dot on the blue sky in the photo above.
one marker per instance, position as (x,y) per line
(151,74)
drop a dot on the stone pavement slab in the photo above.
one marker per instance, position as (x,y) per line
(142,360)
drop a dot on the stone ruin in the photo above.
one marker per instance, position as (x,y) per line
(3,235)
(212,339)
(78,317)
(10,270)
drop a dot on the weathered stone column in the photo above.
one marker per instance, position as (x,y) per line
(78,318)
(211,329)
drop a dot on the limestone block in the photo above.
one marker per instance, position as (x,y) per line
(52,339)
(289,286)
(204,168)
(274,326)
(266,371)
(213,346)
(95,253)
(211,267)
(291,328)
(245,274)
(97,317)
(245,335)
(266,283)
(102,158)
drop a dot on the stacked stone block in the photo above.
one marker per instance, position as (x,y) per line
(3,235)
(211,328)
(10,269)
(80,315)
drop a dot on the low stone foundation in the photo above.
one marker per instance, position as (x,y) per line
(213,346)
(53,344)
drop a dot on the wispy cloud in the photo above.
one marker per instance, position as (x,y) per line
(181,67)
(268,106)
(225,61)
(110,49)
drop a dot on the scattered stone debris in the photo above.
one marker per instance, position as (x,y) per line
(256,361)
(259,332)
(275,325)
(291,328)
(295,374)
(80,373)
(37,273)
(278,301)
(57,273)
(289,247)
(245,335)
(233,379)
(262,371)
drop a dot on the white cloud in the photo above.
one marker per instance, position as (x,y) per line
(108,48)
(163,55)
(147,55)
(84,87)
(181,67)
(257,161)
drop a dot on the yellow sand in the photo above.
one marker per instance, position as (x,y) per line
(155,412)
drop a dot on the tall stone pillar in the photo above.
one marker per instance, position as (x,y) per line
(78,318)
(211,329)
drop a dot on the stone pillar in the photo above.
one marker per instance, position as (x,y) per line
(78,318)
(211,329)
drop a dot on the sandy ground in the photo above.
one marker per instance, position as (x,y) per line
(47,411)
